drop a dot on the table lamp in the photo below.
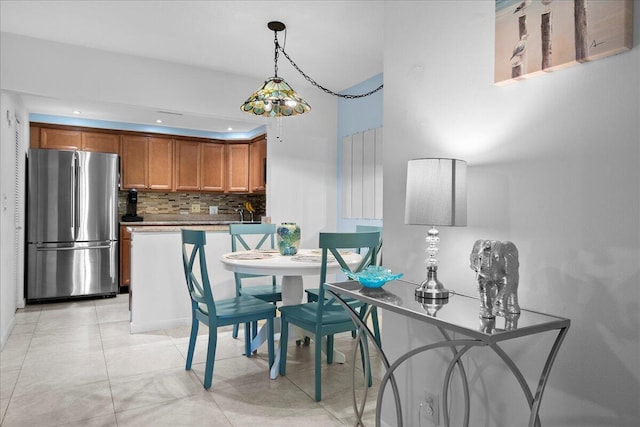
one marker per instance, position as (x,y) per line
(436,196)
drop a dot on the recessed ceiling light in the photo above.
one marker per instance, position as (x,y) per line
(77,112)
(229,129)
(158,121)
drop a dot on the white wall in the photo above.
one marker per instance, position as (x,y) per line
(301,170)
(11,293)
(554,166)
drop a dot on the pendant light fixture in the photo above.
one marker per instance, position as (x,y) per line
(275,98)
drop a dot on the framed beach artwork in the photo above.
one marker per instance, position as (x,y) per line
(537,36)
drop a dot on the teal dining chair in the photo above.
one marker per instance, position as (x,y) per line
(216,313)
(325,317)
(359,306)
(265,236)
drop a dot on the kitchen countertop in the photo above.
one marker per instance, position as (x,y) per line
(132,227)
(184,220)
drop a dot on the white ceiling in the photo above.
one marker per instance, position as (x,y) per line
(338,43)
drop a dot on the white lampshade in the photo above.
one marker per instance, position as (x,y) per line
(436,192)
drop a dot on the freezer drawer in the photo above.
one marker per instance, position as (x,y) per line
(74,270)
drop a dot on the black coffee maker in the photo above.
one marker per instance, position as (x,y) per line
(132,207)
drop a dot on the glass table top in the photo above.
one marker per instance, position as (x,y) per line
(459,313)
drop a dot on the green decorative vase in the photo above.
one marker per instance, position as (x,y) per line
(288,238)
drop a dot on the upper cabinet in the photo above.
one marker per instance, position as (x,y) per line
(147,163)
(60,139)
(166,163)
(258,166)
(72,139)
(238,168)
(101,142)
(199,166)
(188,170)
(213,166)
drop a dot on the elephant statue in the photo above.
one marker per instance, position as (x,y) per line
(496,266)
(488,325)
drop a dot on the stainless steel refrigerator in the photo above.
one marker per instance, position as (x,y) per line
(72,217)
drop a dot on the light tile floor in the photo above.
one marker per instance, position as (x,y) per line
(76,364)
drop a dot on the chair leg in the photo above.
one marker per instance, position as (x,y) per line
(211,356)
(195,323)
(318,367)
(330,342)
(254,329)
(234,334)
(284,337)
(270,341)
(247,339)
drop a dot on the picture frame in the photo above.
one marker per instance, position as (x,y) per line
(533,37)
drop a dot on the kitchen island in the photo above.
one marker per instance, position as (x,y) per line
(159,297)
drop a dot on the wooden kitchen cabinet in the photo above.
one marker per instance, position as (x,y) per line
(60,139)
(147,162)
(160,163)
(258,166)
(237,167)
(72,139)
(199,166)
(213,167)
(188,165)
(134,159)
(125,257)
(100,142)
(180,164)
(34,136)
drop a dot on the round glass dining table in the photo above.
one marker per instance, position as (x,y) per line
(306,262)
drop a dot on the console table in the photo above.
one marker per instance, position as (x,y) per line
(460,314)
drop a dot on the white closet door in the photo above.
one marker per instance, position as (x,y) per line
(362,175)
(378,174)
(347,159)
(368,174)
(357,176)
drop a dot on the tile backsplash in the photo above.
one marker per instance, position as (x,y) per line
(173,203)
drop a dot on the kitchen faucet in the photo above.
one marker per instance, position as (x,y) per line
(241,212)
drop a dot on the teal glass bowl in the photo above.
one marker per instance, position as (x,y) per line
(374,276)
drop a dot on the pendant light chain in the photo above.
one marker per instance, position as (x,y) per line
(309,79)
(275,59)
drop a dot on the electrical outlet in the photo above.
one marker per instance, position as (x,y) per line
(195,208)
(213,210)
(430,408)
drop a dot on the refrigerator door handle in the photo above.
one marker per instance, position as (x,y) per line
(71,248)
(74,175)
(76,195)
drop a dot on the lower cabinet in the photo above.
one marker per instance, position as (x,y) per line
(125,257)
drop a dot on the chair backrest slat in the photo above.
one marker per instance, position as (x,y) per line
(237,231)
(370,228)
(331,243)
(197,278)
